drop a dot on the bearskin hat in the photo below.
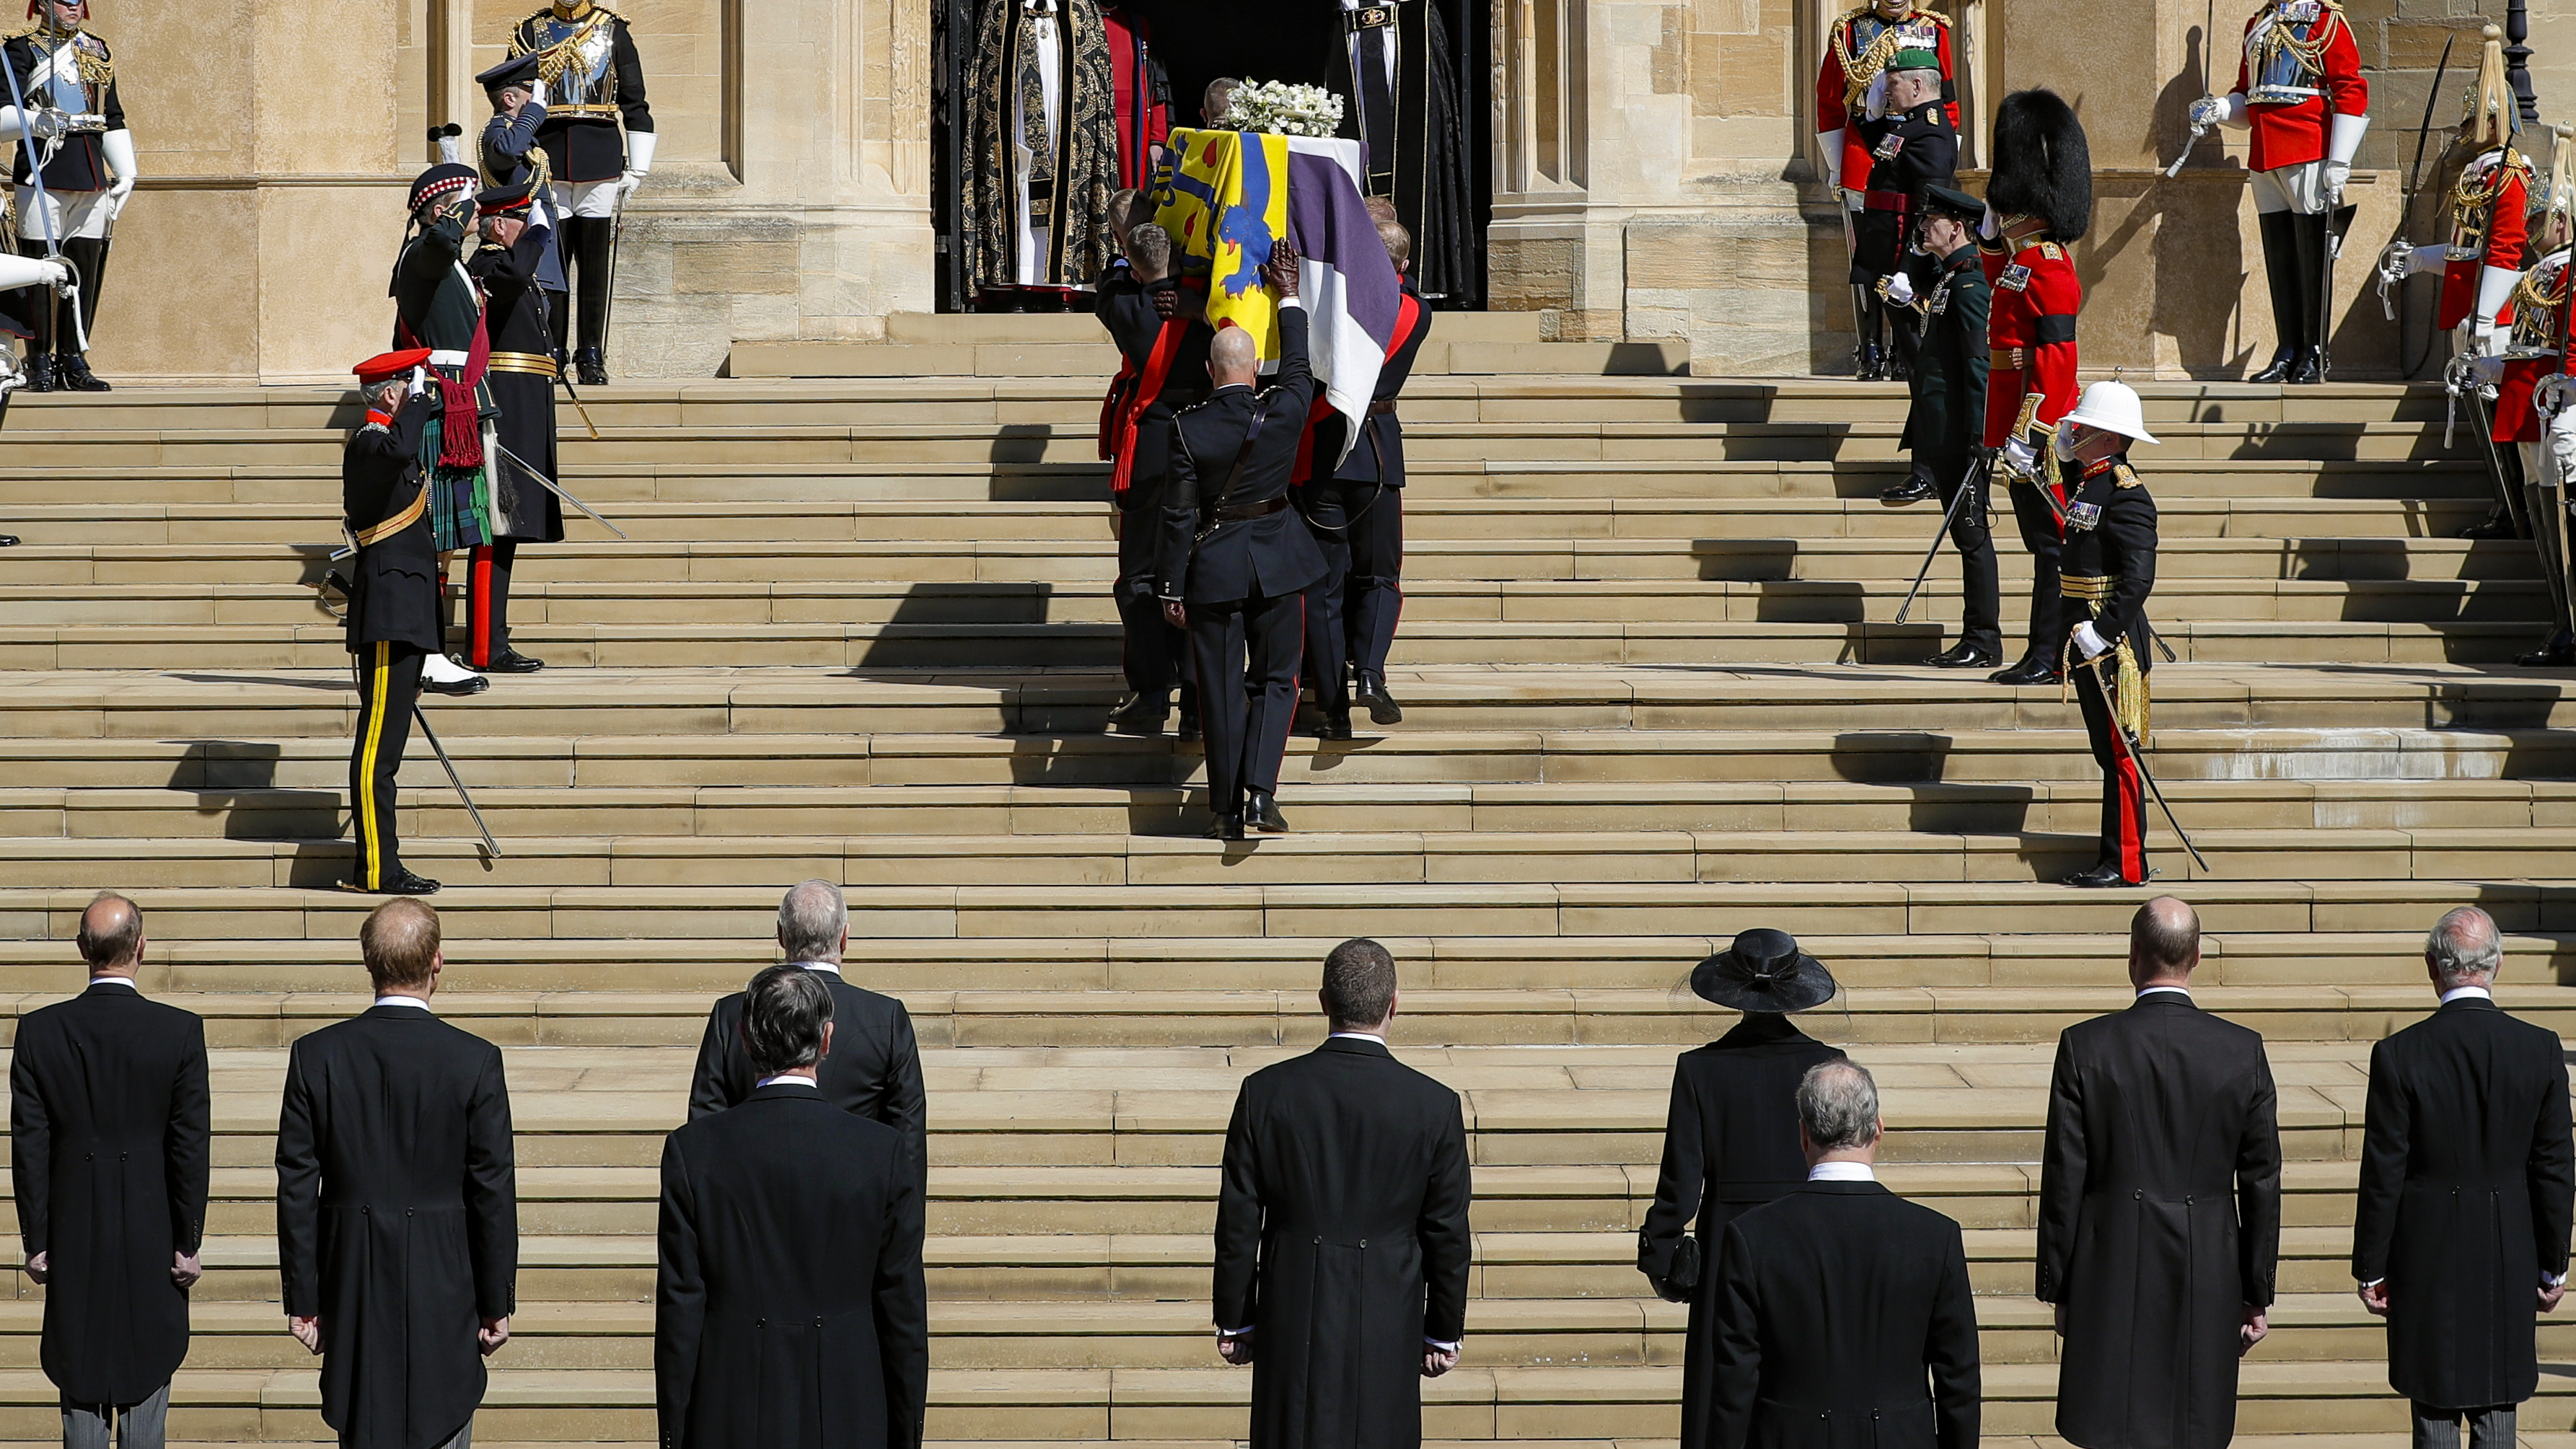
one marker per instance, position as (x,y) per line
(2042,167)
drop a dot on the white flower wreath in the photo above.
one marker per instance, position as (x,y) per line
(1283,109)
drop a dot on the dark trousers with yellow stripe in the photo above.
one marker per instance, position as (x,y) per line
(388,684)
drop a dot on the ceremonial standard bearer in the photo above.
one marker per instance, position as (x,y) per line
(397,1202)
(790,1306)
(2110,568)
(1341,1228)
(2459,1232)
(85,156)
(392,586)
(1844,1315)
(2300,89)
(108,1131)
(2039,202)
(2159,1205)
(1152,314)
(1357,513)
(1852,89)
(521,381)
(1235,558)
(1946,423)
(874,1069)
(1731,1138)
(598,138)
(1912,146)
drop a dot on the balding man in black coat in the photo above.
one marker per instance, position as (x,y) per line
(2468,1190)
(2159,1205)
(109,1125)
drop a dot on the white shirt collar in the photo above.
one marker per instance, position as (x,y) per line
(1357,1036)
(395,998)
(2182,991)
(832,967)
(1842,1172)
(784,1079)
(2456,992)
(125,981)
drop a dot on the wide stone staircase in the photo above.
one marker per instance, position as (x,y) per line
(1655,696)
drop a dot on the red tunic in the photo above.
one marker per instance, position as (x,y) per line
(2030,336)
(1839,90)
(2294,132)
(1143,95)
(2515,419)
(2495,226)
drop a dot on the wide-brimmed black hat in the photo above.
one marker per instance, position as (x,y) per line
(1763,971)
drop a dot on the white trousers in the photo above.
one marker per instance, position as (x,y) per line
(586,198)
(2300,188)
(70,215)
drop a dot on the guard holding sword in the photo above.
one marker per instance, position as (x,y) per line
(73,124)
(2109,569)
(1945,424)
(2530,416)
(598,138)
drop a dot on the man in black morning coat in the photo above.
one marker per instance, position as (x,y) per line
(2159,1205)
(1731,1139)
(108,1130)
(1235,559)
(2459,1233)
(397,1202)
(875,1066)
(1341,1229)
(790,1307)
(1844,1315)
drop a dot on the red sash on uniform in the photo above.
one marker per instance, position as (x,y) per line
(1148,387)
(1408,316)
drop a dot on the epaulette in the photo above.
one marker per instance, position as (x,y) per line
(1194,407)
(2052,251)
(2124,476)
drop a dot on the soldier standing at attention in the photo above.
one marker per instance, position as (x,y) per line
(78,134)
(598,139)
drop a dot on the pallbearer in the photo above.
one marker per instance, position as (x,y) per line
(1943,426)
(1851,88)
(2039,201)
(68,79)
(2110,568)
(522,384)
(2300,89)
(598,138)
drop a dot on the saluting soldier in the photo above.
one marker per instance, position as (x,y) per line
(1851,89)
(1912,146)
(2039,200)
(511,156)
(438,305)
(68,79)
(394,610)
(1236,559)
(522,384)
(1948,417)
(2110,568)
(598,138)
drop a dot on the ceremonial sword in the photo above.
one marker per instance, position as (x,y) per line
(2208,42)
(2138,758)
(1976,479)
(458,781)
(2414,188)
(557,489)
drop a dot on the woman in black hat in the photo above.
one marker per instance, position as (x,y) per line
(1731,1138)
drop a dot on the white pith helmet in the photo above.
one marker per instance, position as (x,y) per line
(2114,408)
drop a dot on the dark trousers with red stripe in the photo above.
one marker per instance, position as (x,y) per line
(1153,651)
(487,602)
(1246,653)
(1351,611)
(2043,536)
(388,684)
(2124,790)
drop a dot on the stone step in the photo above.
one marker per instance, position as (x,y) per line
(1095,357)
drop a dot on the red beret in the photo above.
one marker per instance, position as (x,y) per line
(389,366)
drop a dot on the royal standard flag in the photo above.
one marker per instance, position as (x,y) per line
(1225,203)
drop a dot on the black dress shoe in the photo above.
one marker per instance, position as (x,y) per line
(1964,655)
(2497,524)
(1870,365)
(2558,653)
(8,540)
(2032,670)
(1140,714)
(2284,363)
(2311,369)
(40,374)
(473,685)
(1914,489)
(1381,705)
(511,661)
(76,376)
(1188,728)
(1261,814)
(401,883)
(1225,827)
(2105,876)
(1336,725)
(591,367)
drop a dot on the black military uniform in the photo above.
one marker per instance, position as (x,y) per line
(1909,151)
(393,612)
(1165,370)
(509,155)
(1946,423)
(90,173)
(521,382)
(2106,570)
(598,129)
(1358,517)
(1241,559)
(438,305)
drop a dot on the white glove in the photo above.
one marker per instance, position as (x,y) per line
(419,382)
(1831,143)
(2061,441)
(537,94)
(2088,641)
(17,271)
(1900,289)
(2208,111)
(2486,371)
(2495,293)
(2231,110)
(2019,455)
(2397,263)
(1990,225)
(2337,174)
(1874,100)
(2552,393)
(119,146)
(639,161)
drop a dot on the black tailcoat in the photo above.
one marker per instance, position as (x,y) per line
(1730,1144)
(108,1130)
(790,1307)
(1272,556)
(397,1218)
(393,583)
(874,1070)
(1845,1321)
(2159,1220)
(587,144)
(1342,1241)
(514,315)
(2466,1199)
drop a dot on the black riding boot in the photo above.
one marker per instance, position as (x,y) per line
(595,242)
(2313,239)
(2281,270)
(87,256)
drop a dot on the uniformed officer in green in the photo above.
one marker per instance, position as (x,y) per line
(1946,424)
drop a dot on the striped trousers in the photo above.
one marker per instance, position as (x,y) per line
(388,683)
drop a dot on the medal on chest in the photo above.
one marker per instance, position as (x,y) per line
(2083,515)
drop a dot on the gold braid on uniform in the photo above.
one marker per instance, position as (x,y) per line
(97,67)
(2127,684)
(2533,290)
(2474,195)
(1862,66)
(2276,40)
(558,57)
